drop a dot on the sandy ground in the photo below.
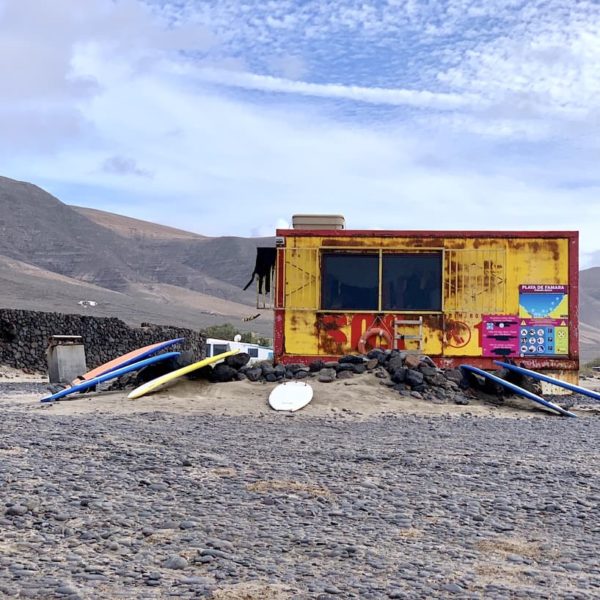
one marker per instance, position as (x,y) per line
(360,398)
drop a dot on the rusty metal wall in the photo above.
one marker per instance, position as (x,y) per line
(481,276)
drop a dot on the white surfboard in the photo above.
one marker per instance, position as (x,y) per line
(291,395)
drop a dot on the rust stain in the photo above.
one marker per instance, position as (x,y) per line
(554,247)
(456,334)
(356,242)
(538,246)
(433,321)
(454,243)
(331,338)
(436,324)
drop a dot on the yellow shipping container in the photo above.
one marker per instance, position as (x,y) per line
(481,296)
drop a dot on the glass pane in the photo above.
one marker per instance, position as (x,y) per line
(253,352)
(412,281)
(350,281)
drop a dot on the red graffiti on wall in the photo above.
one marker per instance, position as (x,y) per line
(332,338)
(333,331)
(361,323)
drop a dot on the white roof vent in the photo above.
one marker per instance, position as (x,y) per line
(318,222)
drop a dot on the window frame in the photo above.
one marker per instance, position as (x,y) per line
(381,253)
(439,287)
(353,253)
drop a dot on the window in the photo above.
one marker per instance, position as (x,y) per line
(412,281)
(219,349)
(253,352)
(350,281)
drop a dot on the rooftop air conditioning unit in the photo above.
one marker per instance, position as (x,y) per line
(318,222)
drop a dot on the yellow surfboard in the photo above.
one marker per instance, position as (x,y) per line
(150,386)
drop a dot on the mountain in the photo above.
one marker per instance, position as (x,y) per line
(28,287)
(134,228)
(188,259)
(115,252)
(589,313)
(50,253)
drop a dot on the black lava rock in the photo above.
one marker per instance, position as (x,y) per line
(316,365)
(414,378)
(237,361)
(253,374)
(223,373)
(204,372)
(399,375)
(352,359)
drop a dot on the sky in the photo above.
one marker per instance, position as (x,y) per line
(226,117)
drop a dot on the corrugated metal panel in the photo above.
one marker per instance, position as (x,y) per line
(475,281)
(302,278)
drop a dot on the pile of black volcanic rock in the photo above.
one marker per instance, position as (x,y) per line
(405,372)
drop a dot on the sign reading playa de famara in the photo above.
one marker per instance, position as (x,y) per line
(544,319)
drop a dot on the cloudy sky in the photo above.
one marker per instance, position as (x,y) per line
(227,117)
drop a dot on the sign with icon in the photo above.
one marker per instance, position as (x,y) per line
(544,319)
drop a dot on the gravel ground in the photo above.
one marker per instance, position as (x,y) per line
(157,505)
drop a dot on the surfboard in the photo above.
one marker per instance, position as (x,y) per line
(548,379)
(90,383)
(151,386)
(519,390)
(291,396)
(126,359)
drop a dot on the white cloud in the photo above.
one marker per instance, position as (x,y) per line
(289,66)
(372,95)
(123,165)
(502,139)
(547,66)
(43,90)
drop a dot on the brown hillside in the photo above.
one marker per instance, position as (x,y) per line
(28,287)
(135,228)
(38,229)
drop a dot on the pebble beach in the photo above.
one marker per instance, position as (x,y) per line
(203,492)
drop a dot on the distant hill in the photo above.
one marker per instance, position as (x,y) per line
(139,270)
(115,252)
(134,228)
(28,287)
(589,313)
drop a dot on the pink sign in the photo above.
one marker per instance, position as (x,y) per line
(500,335)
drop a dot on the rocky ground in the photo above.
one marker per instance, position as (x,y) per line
(268,505)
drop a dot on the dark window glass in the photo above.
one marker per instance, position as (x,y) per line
(412,281)
(350,281)
(219,349)
(253,352)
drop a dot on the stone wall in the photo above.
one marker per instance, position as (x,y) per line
(24,337)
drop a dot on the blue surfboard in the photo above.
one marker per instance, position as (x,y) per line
(548,379)
(518,390)
(85,385)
